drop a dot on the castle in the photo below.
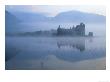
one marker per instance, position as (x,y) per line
(79,30)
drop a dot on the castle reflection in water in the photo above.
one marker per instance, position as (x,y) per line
(76,44)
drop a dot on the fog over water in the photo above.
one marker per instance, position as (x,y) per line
(53,52)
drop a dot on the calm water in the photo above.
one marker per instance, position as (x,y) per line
(52,52)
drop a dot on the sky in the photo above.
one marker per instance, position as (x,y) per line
(53,10)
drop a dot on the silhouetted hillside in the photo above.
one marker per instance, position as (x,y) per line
(70,16)
(11,22)
(30,17)
(14,21)
(77,16)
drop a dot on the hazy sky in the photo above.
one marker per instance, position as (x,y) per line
(50,10)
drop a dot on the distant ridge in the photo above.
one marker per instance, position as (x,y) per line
(10,18)
(69,16)
(14,19)
(11,22)
(77,16)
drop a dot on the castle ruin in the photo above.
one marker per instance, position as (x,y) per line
(79,30)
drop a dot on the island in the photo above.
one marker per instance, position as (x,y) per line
(74,31)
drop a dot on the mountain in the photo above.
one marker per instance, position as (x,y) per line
(11,22)
(70,16)
(10,18)
(77,16)
(31,17)
(26,21)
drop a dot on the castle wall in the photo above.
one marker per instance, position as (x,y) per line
(79,30)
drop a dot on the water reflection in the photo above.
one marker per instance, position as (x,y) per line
(10,52)
(78,44)
(42,65)
(90,40)
(51,53)
(78,49)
